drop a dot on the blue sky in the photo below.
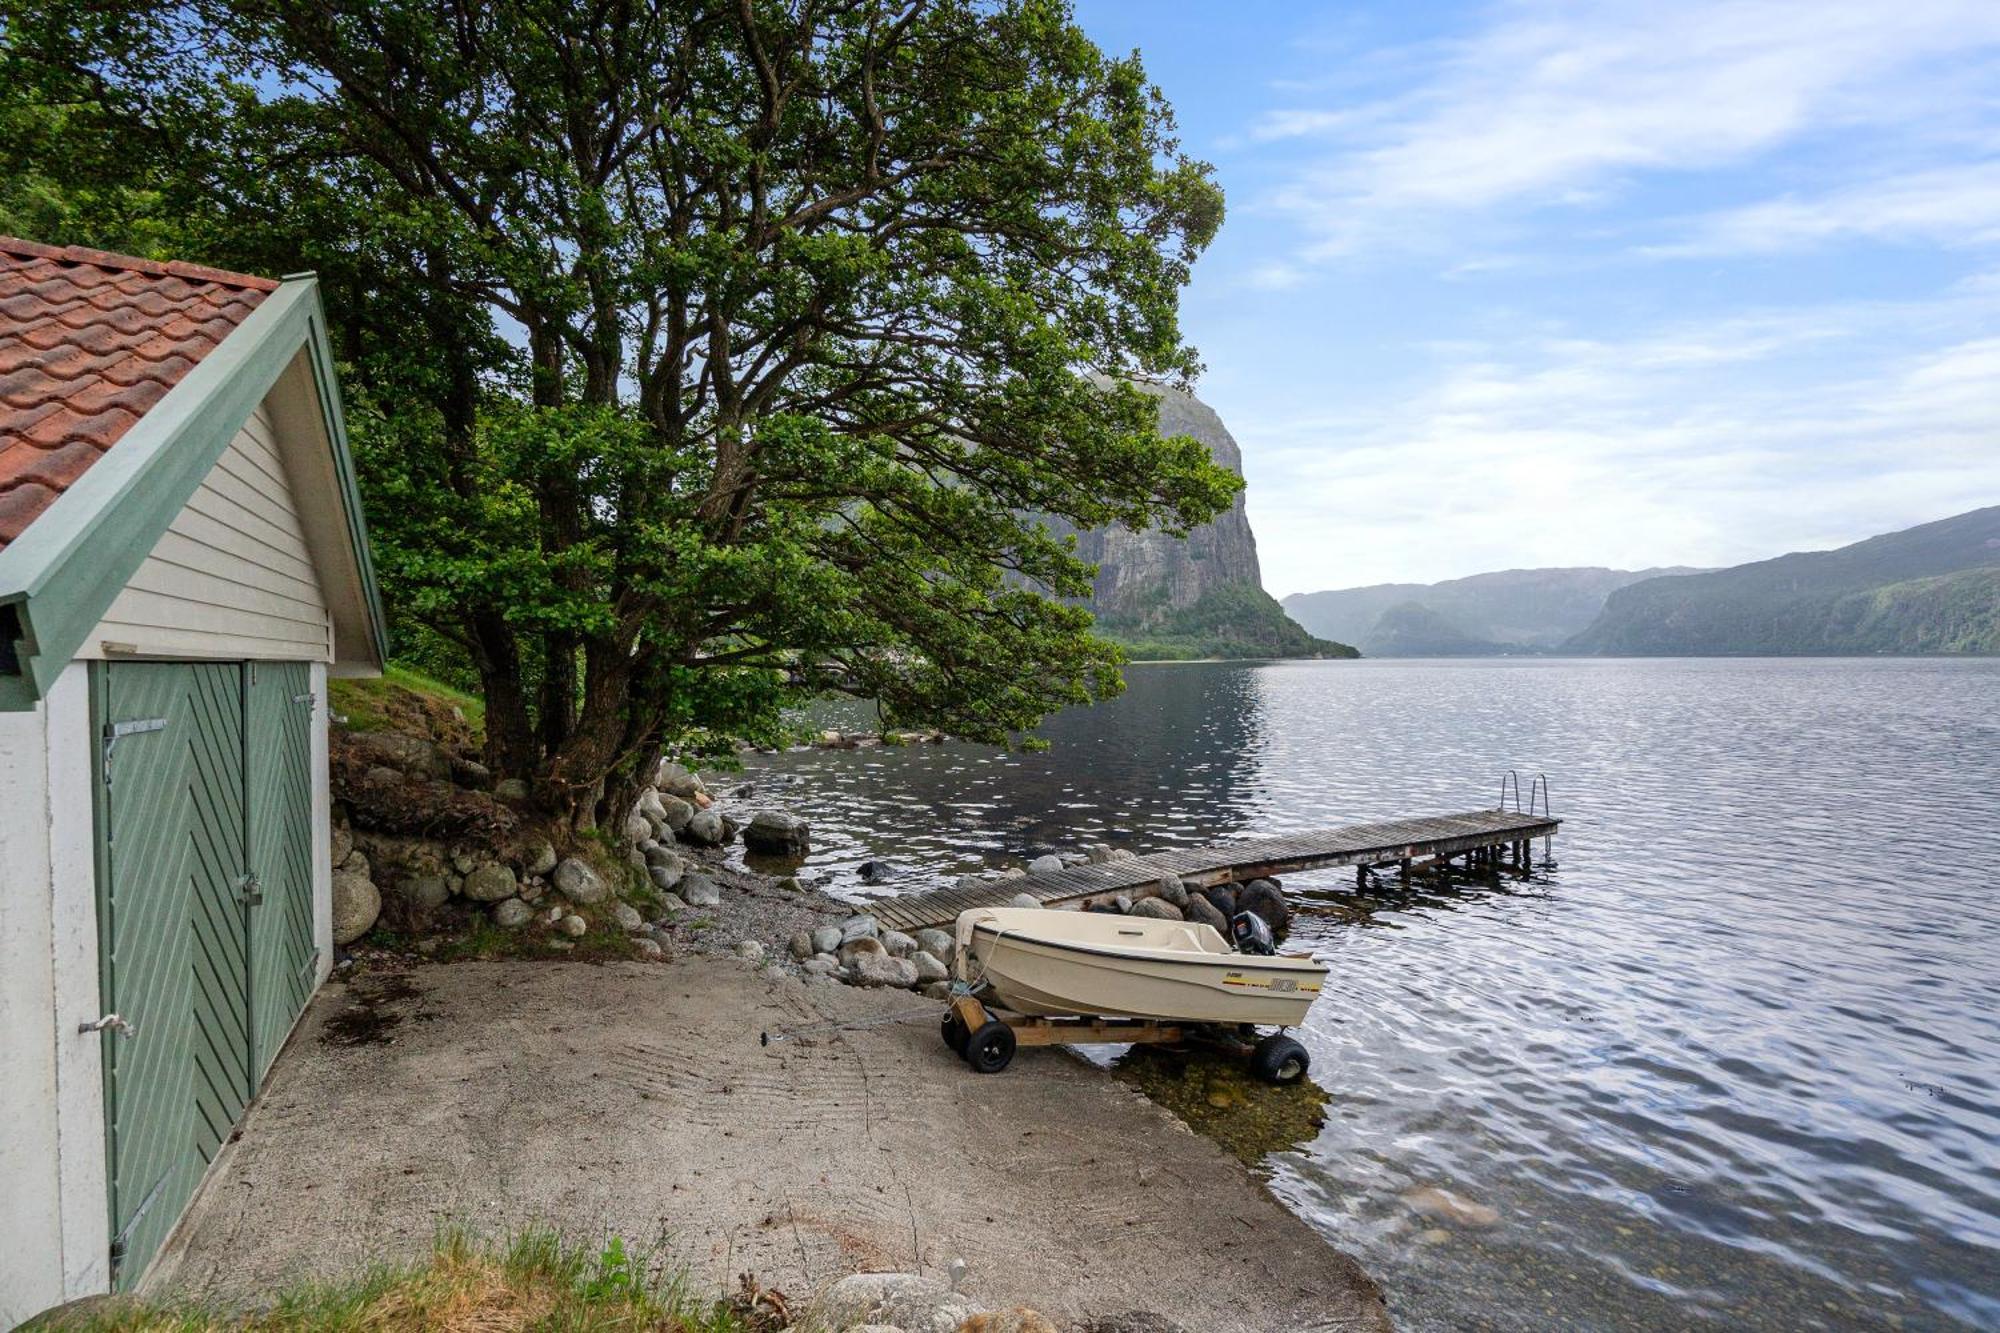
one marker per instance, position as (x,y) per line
(1620,284)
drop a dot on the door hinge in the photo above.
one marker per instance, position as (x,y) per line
(113,733)
(120,1241)
(250,889)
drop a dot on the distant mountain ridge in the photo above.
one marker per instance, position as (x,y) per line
(1934,588)
(1511,610)
(1197,596)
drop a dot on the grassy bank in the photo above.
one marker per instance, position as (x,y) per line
(536,1281)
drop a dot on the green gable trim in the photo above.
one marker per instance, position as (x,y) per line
(60,576)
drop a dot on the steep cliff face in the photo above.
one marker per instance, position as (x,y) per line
(1144,577)
(1198,596)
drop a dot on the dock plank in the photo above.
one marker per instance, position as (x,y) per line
(1376,843)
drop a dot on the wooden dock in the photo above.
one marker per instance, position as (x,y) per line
(1492,836)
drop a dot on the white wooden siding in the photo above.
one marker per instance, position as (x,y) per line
(232,577)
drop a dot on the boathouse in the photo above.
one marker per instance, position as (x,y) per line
(183,563)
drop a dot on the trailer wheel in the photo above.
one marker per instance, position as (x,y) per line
(991,1049)
(1279,1059)
(953,1031)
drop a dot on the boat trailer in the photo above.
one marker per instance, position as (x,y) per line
(986,1036)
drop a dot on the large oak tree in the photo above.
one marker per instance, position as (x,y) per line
(697,347)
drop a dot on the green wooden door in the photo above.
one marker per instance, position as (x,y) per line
(278,706)
(176,915)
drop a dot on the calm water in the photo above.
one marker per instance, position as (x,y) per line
(1734,1061)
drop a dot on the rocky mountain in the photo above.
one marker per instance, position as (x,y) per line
(1513,610)
(1198,596)
(1928,589)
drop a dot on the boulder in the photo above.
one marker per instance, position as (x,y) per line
(1024,900)
(826,939)
(343,844)
(577,882)
(800,946)
(356,904)
(675,780)
(402,752)
(1200,909)
(1122,905)
(512,912)
(700,891)
(705,829)
(937,943)
(897,943)
(574,925)
(820,965)
(666,878)
(1171,889)
(532,890)
(1011,872)
(1223,899)
(875,872)
(1122,854)
(929,968)
(357,863)
(1263,897)
(970,883)
(637,828)
(538,857)
(775,833)
(490,883)
(649,806)
(511,789)
(1045,865)
(903,1300)
(659,854)
(750,951)
(879,969)
(426,892)
(673,902)
(1157,907)
(627,916)
(648,947)
(865,947)
(674,814)
(1097,853)
(859,927)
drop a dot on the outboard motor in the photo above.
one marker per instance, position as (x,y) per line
(1252,934)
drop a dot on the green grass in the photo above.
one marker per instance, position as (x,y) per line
(537,1280)
(400,695)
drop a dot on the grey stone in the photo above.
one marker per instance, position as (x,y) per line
(1097,853)
(648,947)
(1123,904)
(1157,907)
(512,912)
(902,1300)
(879,969)
(357,864)
(426,891)
(700,891)
(864,947)
(659,854)
(705,829)
(665,877)
(1171,888)
(1263,897)
(356,904)
(1024,900)
(1045,865)
(1011,872)
(970,883)
(1201,910)
(574,925)
(511,789)
(532,891)
(637,827)
(897,943)
(343,843)
(675,813)
(627,916)
(539,858)
(675,780)
(673,902)
(936,943)
(490,883)
(577,882)
(649,805)
(777,833)
(859,927)
(820,965)
(800,946)
(464,862)
(928,967)
(750,951)
(1122,854)
(826,939)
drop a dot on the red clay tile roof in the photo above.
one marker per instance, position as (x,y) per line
(89,341)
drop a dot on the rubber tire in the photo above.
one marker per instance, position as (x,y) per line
(1279,1059)
(953,1031)
(991,1049)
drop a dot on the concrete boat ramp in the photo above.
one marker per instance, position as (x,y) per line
(1491,837)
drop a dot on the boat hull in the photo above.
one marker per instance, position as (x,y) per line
(1033,969)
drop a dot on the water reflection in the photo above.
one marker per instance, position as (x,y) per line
(1736,1059)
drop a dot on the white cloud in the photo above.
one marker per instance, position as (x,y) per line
(1706,444)
(1554,103)
(1947,205)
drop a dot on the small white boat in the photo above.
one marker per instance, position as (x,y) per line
(1052,962)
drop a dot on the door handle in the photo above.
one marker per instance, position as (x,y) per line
(110,1023)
